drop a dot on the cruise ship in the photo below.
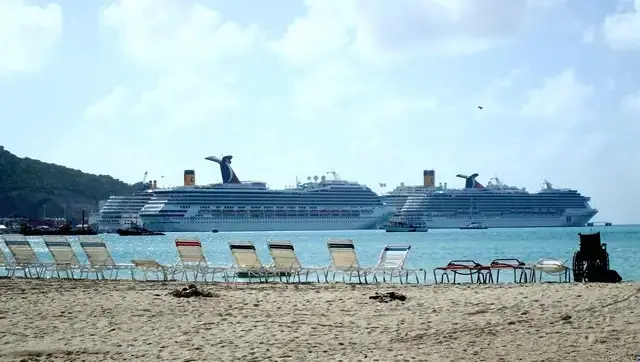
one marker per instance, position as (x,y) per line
(318,204)
(121,212)
(495,205)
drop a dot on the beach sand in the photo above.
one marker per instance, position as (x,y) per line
(57,320)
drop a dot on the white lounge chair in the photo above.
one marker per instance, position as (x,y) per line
(247,264)
(551,267)
(64,258)
(344,261)
(100,259)
(286,263)
(391,263)
(24,258)
(3,261)
(191,258)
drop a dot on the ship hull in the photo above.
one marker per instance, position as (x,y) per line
(576,219)
(292,224)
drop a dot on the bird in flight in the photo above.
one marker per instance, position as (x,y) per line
(480,108)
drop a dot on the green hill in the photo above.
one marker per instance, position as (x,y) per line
(28,187)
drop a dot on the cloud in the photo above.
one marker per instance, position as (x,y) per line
(562,97)
(378,30)
(167,34)
(630,105)
(621,30)
(109,108)
(28,34)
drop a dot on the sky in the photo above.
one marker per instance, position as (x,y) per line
(374,90)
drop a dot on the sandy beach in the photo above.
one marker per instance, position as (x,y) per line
(53,320)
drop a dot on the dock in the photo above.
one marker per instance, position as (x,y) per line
(600,223)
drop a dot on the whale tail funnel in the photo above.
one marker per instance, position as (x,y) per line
(227,173)
(470,181)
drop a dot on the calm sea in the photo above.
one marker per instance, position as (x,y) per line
(429,250)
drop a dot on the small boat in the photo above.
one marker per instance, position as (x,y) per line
(214,230)
(137,231)
(403,227)
(474,226)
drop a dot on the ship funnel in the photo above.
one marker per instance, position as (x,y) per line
(429,177)
(155,184)
(471,182)
(226,172)
(189,178)
(150,185)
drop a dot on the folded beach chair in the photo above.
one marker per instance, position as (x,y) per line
(344,261)
(191,258)
(24,258)
(391,263)
(247,264)
(551,267)
(147,266)
(100,259)
(286,263)
(64,258)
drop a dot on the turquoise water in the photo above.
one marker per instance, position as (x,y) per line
(429,250)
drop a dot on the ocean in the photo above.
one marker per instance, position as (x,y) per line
(429,250)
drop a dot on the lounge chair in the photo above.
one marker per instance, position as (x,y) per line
(3,261)
(191,258)
(24,257)
(286,263)
(100,259)
(344,261)
(247,264)
(551,267)
(511,264)
(64,258)
(391,263)
(468,268)
(147,266)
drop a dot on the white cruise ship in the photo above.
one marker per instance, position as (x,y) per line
(121,212)
(495,205)
(319,204)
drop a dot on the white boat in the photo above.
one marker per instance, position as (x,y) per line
(318,204)
(473,226)
(402,227)
(494,206)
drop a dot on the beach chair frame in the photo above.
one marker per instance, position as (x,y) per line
(394,267)
(191,259)
(100,259)
(468,268)
(247,264)
(24,257)
(514,264)
(64,257)
(286,263)
(344,261)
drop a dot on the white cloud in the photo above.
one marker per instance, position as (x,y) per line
(28,34)
(185,47)
(562,99)
(630,104)
(166,34)
(375,29)
(109,108)
(621,30)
